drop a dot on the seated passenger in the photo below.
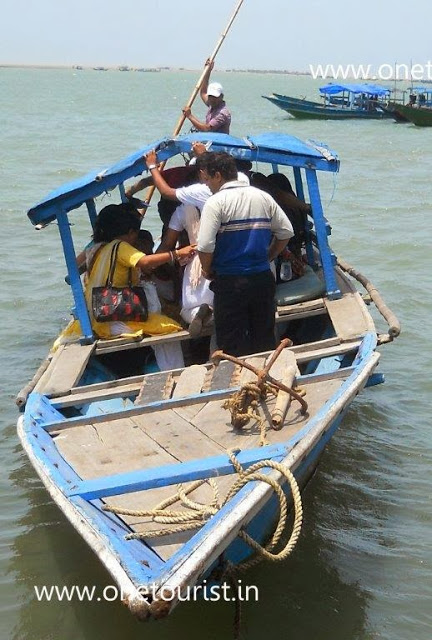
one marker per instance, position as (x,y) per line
(121,222)
(279,187)
(161,284)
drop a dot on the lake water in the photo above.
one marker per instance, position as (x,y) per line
(362,568)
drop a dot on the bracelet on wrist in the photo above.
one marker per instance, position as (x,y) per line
(176,255)
(171,255)
(152,166)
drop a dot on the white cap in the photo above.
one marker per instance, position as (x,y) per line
(215,89)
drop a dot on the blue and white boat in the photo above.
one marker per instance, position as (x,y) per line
(111,449)
(341,102)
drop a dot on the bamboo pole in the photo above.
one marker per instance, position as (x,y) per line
(197,87)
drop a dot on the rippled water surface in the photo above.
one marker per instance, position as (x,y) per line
(362,568)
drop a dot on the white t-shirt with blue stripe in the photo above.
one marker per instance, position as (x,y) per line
(237,225)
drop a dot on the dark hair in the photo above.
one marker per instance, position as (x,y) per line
(145,236)
(280,180)
(223,163)
(259,181)
(116,220)
(243,165)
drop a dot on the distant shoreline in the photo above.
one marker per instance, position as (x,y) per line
(147,70)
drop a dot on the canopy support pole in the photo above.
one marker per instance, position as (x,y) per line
(74,277)
(91,208)
(327,261)
(308,240)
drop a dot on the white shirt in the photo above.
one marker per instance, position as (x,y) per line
(197,194)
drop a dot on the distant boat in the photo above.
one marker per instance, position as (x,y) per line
(341,102)
(100,68)
(124,68)
(149,70)
(420,116)
(418,110)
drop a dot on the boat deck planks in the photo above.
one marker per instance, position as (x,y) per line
(223,376)
(65,370)
(177,436)
(349,318)
(191,381)
(154,388)
(165,437)
(107,448)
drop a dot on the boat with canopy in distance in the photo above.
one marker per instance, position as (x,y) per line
(418,110)
(341,102)
(171,476)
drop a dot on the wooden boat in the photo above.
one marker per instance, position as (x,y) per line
(418,110)
(341,102)
(111,448)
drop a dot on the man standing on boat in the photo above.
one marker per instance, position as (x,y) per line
(218,117)
(242,230)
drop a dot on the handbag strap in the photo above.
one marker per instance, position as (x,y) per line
(113,260)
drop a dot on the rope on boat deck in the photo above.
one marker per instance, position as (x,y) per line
(243,406)
(189,520)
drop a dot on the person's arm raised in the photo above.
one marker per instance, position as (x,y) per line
(159,182)
(204,86)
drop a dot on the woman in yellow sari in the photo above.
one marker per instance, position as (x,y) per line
(122,223)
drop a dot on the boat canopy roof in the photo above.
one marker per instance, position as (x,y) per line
(274,148)
(368,89)
(422,89)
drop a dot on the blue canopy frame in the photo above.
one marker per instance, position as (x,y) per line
(306,158)
(368,89)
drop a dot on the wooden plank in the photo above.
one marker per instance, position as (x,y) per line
(67,369)
(318,344)
(78,399)
(189,411)
(109,384)
(281,317)
(302,307)
(153,388)
(215,422)
(159,405)
(250,376)
(43,381)
(190,381)
(350,320)
(339,349)
(177,436)
(122,344)
(222,376)
(286,359)
(114,447)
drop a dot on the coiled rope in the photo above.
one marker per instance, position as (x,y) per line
(198,513)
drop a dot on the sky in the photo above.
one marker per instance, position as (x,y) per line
(267,34)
